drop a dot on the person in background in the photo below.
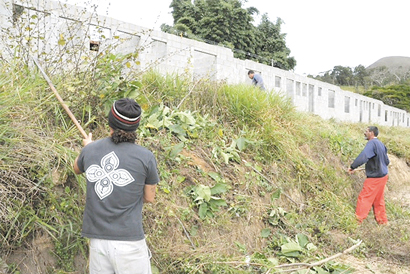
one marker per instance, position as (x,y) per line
(374,155)
(121,176)
(256,79)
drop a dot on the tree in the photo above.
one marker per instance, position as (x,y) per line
(342,76)
(185,15)
(227,23)
(272,44)
(359,75)
(380,75)
(394,95)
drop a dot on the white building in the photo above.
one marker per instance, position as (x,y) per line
(54,27)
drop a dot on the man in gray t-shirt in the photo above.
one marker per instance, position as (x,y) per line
(121,176)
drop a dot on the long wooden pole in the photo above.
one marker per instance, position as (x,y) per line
(77,124)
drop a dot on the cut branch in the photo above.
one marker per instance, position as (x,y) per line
(321,262)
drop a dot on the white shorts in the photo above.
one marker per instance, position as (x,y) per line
(119,257)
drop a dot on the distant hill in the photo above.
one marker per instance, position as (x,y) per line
(392,63)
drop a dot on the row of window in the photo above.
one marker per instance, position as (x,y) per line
(302,88)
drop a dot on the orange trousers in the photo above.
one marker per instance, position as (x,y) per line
(372,195)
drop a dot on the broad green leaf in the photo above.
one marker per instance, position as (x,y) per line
(203,208)
(215,176)
(180,179)
(276,195)
(311,247)
(258,256)
(210,214)
(203,192)
(294,254)
(186,118)
(148,125)
(320,270)
(133,94)
(176,150)
(273,261)
(226,157)
(136,84)
(302,239)
(154,269)
(193,134)
(217,202)
(194,230)
(281,211)
(304,271)
(177,129)
(218,189)
(291,249)
(241,143)
(265,233)
(274,222)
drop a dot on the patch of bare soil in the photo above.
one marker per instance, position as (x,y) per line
(374,265)
(37,257)
(398,186)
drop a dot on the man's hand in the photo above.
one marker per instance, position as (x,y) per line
(350,170)
(88,140)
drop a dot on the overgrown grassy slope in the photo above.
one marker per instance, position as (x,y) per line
(247,182)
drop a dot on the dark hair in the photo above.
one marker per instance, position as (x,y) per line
(121,136)
(251,72)
(374,129)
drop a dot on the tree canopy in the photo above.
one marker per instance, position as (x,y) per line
(394,95)
(227,23)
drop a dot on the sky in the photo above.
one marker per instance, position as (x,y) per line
(320,34)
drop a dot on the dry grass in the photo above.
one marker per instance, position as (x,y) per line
(301,155)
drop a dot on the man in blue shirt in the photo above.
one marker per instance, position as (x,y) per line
(256,79)
(374,155)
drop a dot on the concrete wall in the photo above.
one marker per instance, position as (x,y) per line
(173,54)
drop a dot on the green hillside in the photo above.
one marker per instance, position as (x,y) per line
(248,184)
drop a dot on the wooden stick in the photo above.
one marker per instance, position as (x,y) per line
(77,124)
(186,233)
(304,265)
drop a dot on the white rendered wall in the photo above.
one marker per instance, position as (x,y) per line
(174,54)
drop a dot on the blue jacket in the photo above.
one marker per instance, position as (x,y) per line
(258,81)
(374,155)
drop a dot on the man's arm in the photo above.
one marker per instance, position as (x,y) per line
(149,193)
(86,141)
(76,168)
(364,156)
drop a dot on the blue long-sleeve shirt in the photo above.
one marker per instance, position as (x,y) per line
(258,81)
(374,155)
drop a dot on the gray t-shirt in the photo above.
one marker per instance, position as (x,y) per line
(116,176)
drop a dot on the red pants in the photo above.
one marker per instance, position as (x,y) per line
(372,195)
